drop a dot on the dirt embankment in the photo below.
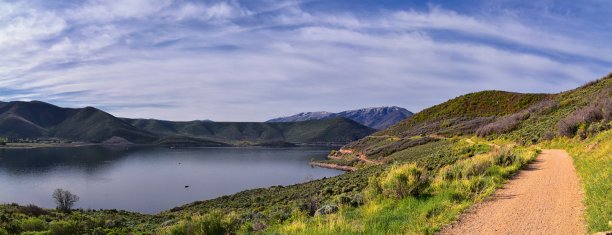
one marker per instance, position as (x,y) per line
(545,198)
(333,166)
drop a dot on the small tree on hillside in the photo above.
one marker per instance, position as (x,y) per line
(64,199)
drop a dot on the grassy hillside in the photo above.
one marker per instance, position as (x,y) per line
(448,116)
(521,118)
(41,120)
(94,125)
(338,130)
(582,111)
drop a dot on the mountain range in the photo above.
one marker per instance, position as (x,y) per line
(376,117)
(40,120)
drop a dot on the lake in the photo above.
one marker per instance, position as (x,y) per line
(149,180)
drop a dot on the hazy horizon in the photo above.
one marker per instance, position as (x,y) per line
(256,60)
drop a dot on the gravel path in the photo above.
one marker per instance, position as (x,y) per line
(545,198)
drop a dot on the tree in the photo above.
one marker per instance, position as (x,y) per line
(3,141)
(64,199)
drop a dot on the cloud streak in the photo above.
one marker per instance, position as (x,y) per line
(228,60)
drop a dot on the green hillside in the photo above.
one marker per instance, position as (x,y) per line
(37,119)
(522,118)
(333,130)
(463,113)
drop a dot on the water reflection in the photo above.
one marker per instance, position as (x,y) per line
(149,179)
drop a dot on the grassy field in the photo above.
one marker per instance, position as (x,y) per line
(593,161)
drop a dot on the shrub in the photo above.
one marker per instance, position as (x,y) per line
(505,158)
(357,200)
(466,168)
(3,232)
(343,199)
(33,210)
(209,224)
(404,180)
(502,125)
(374,188)
(64,228)
(510,122)
(327,209)
(310,205)
(600,110)
(33,224)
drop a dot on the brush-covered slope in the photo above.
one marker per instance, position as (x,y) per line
(42,120)
(378,117)
(316,131)
(463,113)
(583,111)
(524,118)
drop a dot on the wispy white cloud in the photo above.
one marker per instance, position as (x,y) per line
(226,60)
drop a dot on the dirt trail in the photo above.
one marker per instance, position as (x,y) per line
(545,198)
(362,157)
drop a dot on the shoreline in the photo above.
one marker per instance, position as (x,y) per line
(75,145)
(333,166)
(40,145)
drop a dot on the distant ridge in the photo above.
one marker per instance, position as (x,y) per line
(332,130)
(376,117)
(38,120)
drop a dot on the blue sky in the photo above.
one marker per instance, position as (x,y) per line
(255,60)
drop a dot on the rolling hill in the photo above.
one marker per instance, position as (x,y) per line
(378,117)
(39,120)
(523,118)
(332,130)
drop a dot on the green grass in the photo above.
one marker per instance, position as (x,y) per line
(593,161)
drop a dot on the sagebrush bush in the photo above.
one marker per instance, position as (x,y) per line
(210,224)
(404,180)
(466,168)
(505,157)
(64,228)
(374,189)
(33,224)
(33,210)
(508,123)
(599,110)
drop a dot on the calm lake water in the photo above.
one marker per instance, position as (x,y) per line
(149,180)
